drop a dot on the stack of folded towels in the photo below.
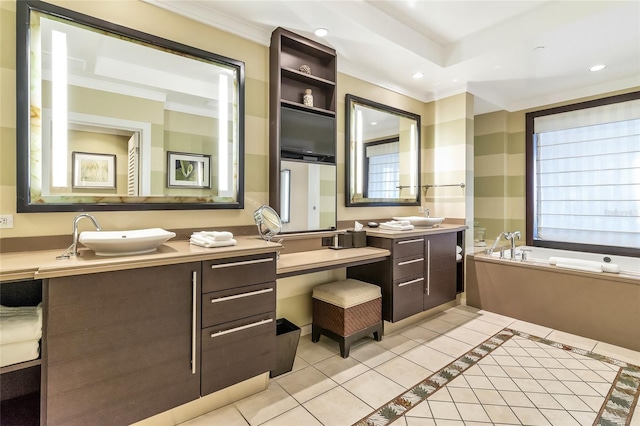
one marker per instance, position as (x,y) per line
(212,239)
(20,333)
(397,225)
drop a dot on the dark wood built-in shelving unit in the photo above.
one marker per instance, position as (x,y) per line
(288,52)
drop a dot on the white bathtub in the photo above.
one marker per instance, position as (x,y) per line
(601,306)
(627,265)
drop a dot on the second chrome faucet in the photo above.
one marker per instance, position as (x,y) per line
(72,251)
(507,236)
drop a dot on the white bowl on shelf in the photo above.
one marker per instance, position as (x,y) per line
(123,243)
(422,221)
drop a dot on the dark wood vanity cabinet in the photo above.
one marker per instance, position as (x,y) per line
(121,346)
(126,345)
(440,272)
(238,320)
(420,273)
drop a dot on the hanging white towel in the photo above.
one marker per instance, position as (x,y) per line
(20,324)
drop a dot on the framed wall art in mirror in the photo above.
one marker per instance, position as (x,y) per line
(89,86)
(382,154)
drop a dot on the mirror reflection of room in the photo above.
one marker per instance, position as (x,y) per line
(119,119)
(383,151)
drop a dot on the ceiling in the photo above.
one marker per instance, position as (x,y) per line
(511,55)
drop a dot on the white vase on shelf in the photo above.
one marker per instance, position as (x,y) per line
(307,98)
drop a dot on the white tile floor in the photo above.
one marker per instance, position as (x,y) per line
(520,382)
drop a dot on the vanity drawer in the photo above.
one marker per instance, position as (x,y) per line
(408,266)
(408,247)
(407,297)
(228,305)
(223,274)
(237,351)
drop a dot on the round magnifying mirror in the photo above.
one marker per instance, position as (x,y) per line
(268,222)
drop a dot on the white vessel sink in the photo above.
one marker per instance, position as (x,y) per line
(122,243)
(421,221)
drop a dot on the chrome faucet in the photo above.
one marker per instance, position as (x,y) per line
(72,251)
(493,247)
(512,236)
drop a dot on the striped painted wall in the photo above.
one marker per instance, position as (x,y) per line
(499,158)
(447,158)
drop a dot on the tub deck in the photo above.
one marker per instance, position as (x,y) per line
(599,306)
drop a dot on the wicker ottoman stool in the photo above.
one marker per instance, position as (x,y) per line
(346,311)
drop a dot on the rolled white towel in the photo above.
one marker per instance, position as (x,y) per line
(13,353)
(20,324)
(611,268)
(577,267)
(590,264)
(458,257)
(458,249)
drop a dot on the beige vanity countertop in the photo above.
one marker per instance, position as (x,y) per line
(43,263)
(316,260)
(415,232)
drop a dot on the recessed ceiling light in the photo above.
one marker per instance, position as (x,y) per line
(598,67)
(374,123)
(455,80)
(321,32)
(418,74)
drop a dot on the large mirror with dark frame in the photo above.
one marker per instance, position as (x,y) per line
(382,154)
(110,118)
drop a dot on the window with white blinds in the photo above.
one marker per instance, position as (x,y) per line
(383,161)
(587,176)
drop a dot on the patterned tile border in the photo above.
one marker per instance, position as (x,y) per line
(617,409)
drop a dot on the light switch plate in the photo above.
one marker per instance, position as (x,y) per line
(6,221)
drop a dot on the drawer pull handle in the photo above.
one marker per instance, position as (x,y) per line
(246,262)
(241,295)
(419,240)
(428,267)
(407,262)
(242,327)
(417,280)
(194,320)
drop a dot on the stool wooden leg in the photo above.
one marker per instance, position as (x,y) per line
(345,345)
(378,333)
(315,333)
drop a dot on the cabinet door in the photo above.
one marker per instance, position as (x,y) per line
(440,274)
(121,346)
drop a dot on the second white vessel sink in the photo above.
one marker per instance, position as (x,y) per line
(422,221)
(122,243)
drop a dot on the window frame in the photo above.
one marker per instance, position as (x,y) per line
(531,178)
(365,186)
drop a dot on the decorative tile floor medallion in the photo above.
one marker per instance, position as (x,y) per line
(617,408)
